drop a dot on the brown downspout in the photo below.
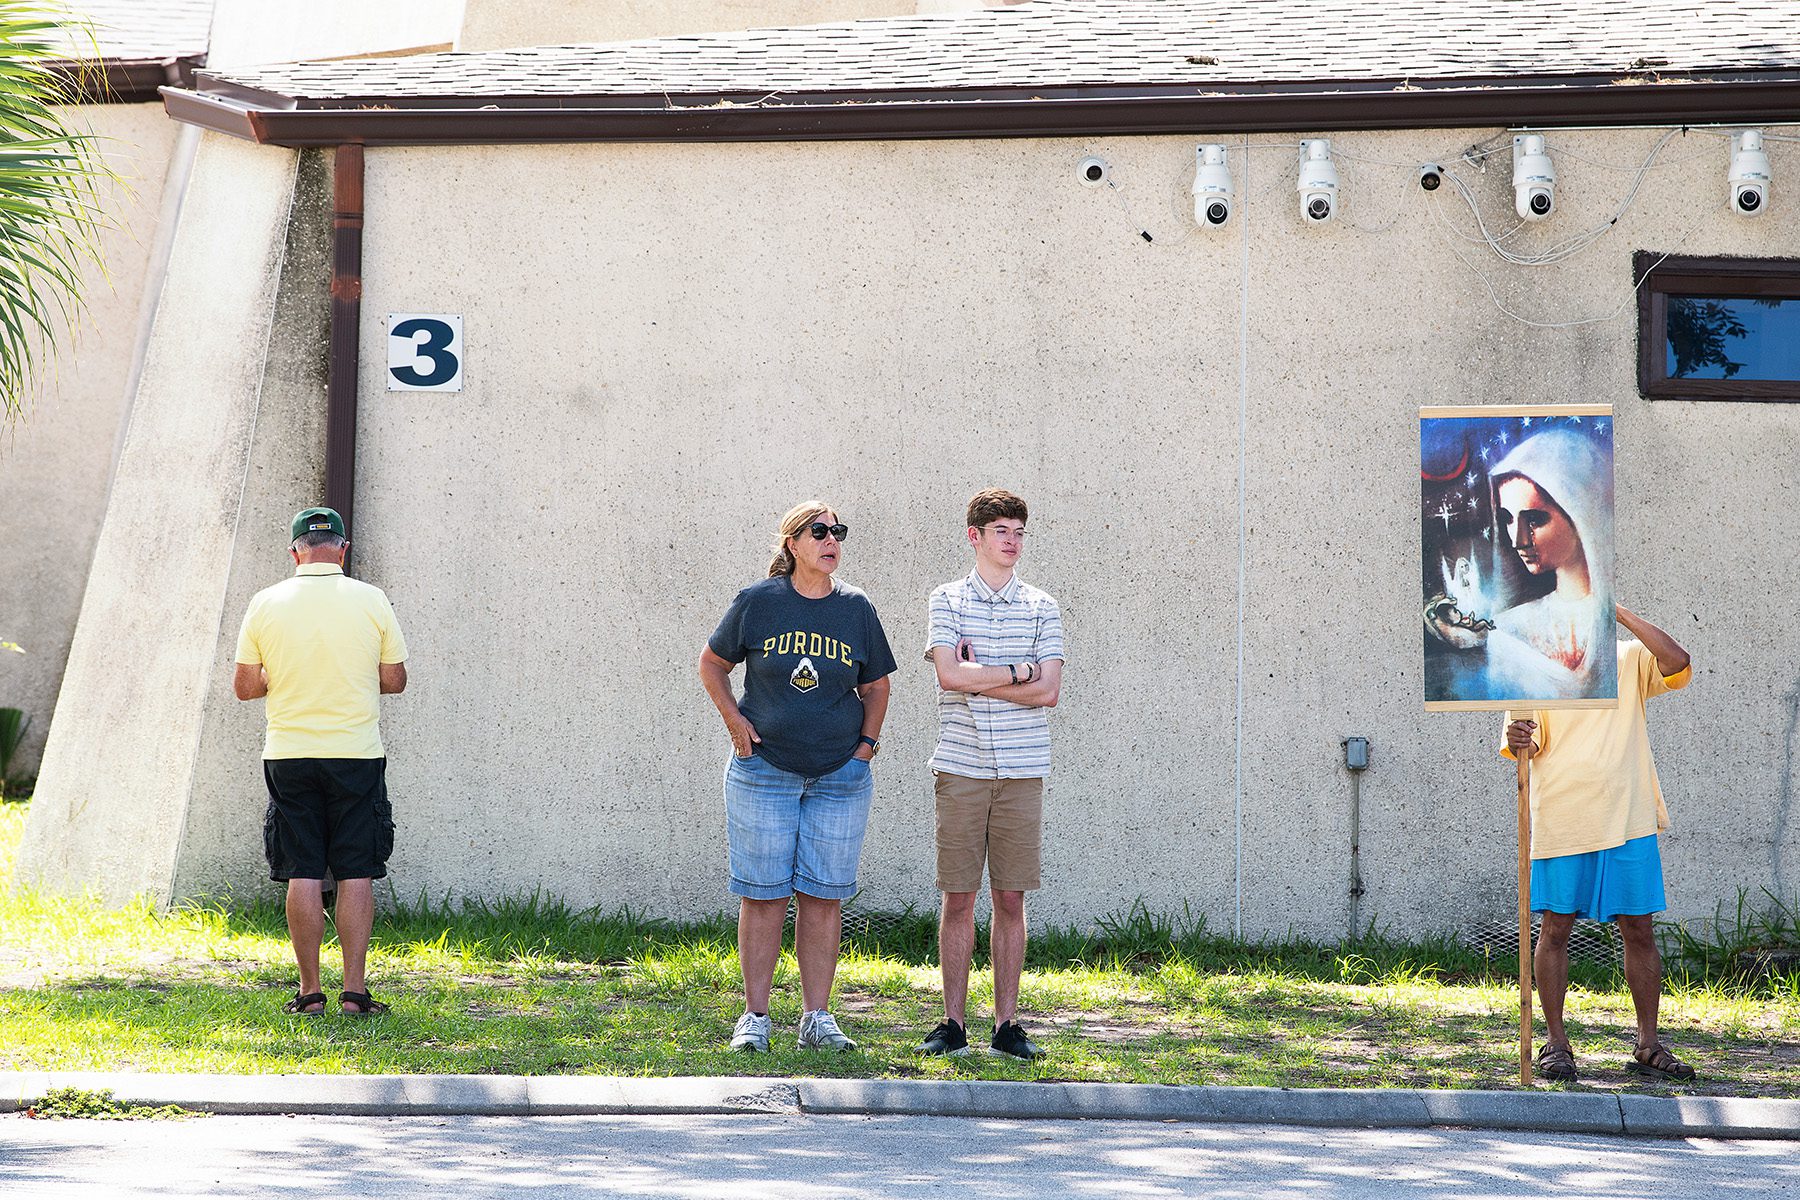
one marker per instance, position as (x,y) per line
(346,313)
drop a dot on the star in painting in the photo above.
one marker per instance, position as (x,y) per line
(1487,532)
(1485,453)
(1469,479)
(1600,426)
(1525,422)
(1443,514)
(1474,504)
(1501,437)
(1574,420)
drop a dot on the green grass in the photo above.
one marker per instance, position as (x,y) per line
(530,986)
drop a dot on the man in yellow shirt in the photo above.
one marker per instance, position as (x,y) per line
(323,648)
(1596,811)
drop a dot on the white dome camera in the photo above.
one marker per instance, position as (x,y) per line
(1534,178)
(1318,182)
(1212,187)
(1092,171)
(1750,175)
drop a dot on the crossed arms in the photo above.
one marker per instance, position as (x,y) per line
(956,675)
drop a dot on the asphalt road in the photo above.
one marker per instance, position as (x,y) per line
(784,1157)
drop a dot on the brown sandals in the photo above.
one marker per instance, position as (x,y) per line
(1656,1062)
(1557,1064)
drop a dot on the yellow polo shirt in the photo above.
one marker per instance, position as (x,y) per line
(319,635)
(1593,782)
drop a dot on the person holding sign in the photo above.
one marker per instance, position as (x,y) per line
(1596,811)
(798,784)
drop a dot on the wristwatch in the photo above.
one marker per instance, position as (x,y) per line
(874,744)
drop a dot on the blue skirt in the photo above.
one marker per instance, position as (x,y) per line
(1601,884)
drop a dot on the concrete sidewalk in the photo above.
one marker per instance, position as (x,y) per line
(599,1095)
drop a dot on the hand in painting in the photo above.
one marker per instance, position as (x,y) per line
(1453,626)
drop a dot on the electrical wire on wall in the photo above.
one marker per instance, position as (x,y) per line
(1504,244)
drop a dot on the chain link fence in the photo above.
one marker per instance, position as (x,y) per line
(1496,938)
(1594,942)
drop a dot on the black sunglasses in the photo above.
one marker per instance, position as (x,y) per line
(819,529)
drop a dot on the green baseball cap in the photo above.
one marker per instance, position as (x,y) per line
(317,520)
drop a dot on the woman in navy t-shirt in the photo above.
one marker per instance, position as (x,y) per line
(798,784)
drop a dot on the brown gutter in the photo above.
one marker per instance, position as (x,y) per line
(215,113)
(466,120)
(346,312)
(124,81)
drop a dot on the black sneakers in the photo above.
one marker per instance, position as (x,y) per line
(1011,1041)
(948,1038)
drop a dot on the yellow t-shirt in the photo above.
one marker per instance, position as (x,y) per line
(1593,783)
(319,635)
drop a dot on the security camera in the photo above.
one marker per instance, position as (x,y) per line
(1431,176)
(1092,172)
(1212,187)
(1318,182)
(1749,177)
(1534,178)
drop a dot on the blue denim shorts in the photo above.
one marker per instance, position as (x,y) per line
(789,833)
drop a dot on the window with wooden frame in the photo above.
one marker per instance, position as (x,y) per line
(1718,328)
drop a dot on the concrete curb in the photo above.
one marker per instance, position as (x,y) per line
(601,1095)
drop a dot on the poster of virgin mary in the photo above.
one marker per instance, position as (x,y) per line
(1516,533)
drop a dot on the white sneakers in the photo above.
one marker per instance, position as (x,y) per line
(818,1031)
(751,1033)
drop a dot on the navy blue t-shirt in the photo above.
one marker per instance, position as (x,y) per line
(803,661)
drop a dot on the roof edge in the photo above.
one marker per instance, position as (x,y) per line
(1017,112)
(217,114)
(124,80)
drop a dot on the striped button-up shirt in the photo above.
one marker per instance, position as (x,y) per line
(980,737)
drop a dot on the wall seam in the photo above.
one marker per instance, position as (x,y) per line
(1237,771)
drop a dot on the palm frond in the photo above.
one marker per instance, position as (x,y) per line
(52,206)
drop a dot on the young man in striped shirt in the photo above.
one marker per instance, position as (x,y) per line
(997,645)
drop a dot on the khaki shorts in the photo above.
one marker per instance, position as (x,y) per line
(1000,821)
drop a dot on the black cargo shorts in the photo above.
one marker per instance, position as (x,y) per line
(327,813)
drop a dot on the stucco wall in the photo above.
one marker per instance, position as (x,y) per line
(501,24)
(56,461)
(255,31)
(120,764)
(668,345)
(221,830)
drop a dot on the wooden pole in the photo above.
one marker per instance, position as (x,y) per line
(1524,758)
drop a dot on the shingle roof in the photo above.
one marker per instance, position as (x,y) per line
(142,30)
(1077,43)
(1059,68)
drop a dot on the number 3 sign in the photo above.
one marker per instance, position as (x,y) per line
(425,353)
